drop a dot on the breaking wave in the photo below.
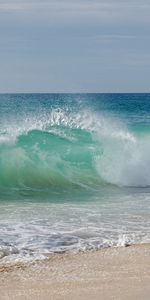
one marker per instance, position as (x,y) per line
(68,149)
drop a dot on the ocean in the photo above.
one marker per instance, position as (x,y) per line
(74,173)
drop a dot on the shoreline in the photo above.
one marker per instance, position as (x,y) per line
(110,273)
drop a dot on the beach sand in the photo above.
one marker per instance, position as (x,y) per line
(113,273)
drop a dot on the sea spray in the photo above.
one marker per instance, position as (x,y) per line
(85,149)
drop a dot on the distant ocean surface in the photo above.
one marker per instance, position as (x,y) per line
(74,173)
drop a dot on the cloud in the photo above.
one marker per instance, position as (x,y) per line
(78,12)
(49,43)
(71,5)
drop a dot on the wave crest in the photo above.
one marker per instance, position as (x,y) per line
(64,148)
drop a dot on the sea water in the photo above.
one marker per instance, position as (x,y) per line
(74,173)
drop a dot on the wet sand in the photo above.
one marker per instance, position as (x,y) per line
(113,273)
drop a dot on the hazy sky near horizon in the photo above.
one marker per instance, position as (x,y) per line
(74,46)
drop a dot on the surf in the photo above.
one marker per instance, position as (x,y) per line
(74,173)
(65,149)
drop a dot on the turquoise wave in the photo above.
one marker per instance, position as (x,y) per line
(41,159)
(82,151)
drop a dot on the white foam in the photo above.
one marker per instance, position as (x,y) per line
(31,231)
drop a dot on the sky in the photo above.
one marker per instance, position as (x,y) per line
(74,46)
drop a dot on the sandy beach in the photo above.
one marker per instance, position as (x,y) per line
(113,273)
